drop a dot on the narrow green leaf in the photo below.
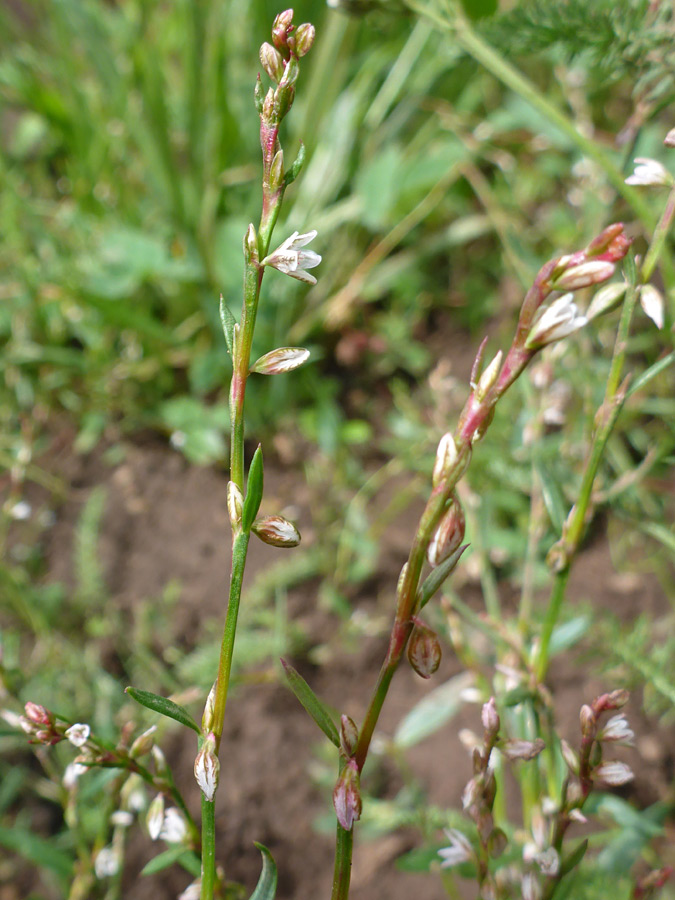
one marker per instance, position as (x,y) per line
(294,171)
(37,850)
(438,576)
(266,887)
(228,322)
(433,711)
(479,9)
(163,706)
(568,634)
(185,858)
(572,860)
(311,703)
(254,491)
(651,372)
(552,496)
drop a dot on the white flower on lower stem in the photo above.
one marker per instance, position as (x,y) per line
(192,891)
(207,768)
(614,773)
(71,774)
(459,851)
(651,302)
(107,863)
(78,734)
(291,260)
(554,322)
(174,829)
(649,173)
(618,730)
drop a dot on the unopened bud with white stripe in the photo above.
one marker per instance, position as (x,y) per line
(446,454)
(276,531)
(207,768)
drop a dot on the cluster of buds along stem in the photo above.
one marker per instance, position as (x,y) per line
(41,725)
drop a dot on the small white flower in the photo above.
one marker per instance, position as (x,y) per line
(122,818)
(192,891)
(618,730)
(207,768)
(290,260)
(614,773)
(107,863)
(548,861)
(459,851)
(554,322)
(651,302)
(21,511)
(174,829)
(576,815)
(649,173)
(78,734)
(155,817)
(71,774)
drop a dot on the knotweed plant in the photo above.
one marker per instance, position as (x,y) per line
(517,714)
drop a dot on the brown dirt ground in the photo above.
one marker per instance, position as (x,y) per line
(166,520)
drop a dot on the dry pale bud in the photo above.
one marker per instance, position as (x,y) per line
(489,377)
(276,179)
(159,760)
(576,815)
(347,796)
(424,649)
(349,735)
(606,299)
(192,891)
(490,717)
(446,454)
(122,818)
(595,271)
(401,579)
(651,302)
(448,536)
(209,709)
(587,721)
(78,734)
(570,757)
(522,749)
(251,244)
(235,504)
(155,817)
(458,851)
(284,359)
(143,743)
(207,768)
(616,699)
(276,531)
(614,773)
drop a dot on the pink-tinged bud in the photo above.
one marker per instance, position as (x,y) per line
(38,714)
(576,815)
(570,757)
(235,504)
(143,743)
(78,734)
(304,38)
(347,796)
(209,709)
(555,322)
(281,27)
(446,454)
(611,244)
(276,531)
(290,76)
(207,768)
(155,817)
(617,730)
(652,305)
(489,377)
(276,178)
(614,773)
(669,139)
(268,105)
(490,717)
(649,173)
(349,735)
(285,359)
(522,749)
(459,850)
(616,699)
(650,883)
(424,649)
(595,271)
(272,62)
(587,721)
(472,793)
(449,535)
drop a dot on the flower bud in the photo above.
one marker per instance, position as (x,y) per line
(617,730)
(78,734)
(272,62)
(616,699)
(290,76)
(595,271)
(497,843)
(268,106)
(209,709)
(446,454)
(159,761)
(651,302)
(611,244)
(251,245)
(207,768)
(570,757)
(285,359)
(276,531)
(489,377)
(522,749)
(424,649)
(174,829)
(401,579)
(143,743)
(282,24)
(614,773)
(459,851)
(576,815)
(276,179)
(490,718)
(449,535)
(649,173)
(349,735)
(588,721)
(37,714)
(155,817)
(304,38)
(235,502)
(555,321)
(347,796)
(669,139)
(606,299)
(106,863)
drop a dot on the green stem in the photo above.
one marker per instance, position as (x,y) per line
(344,842)
(208,848)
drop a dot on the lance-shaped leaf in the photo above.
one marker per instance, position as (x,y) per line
(438,576)
(254,491)
(294,171)
(266,887)
(284,359)
(228,322)
(176,854)
(572,860)
(163,706)
(311,702)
